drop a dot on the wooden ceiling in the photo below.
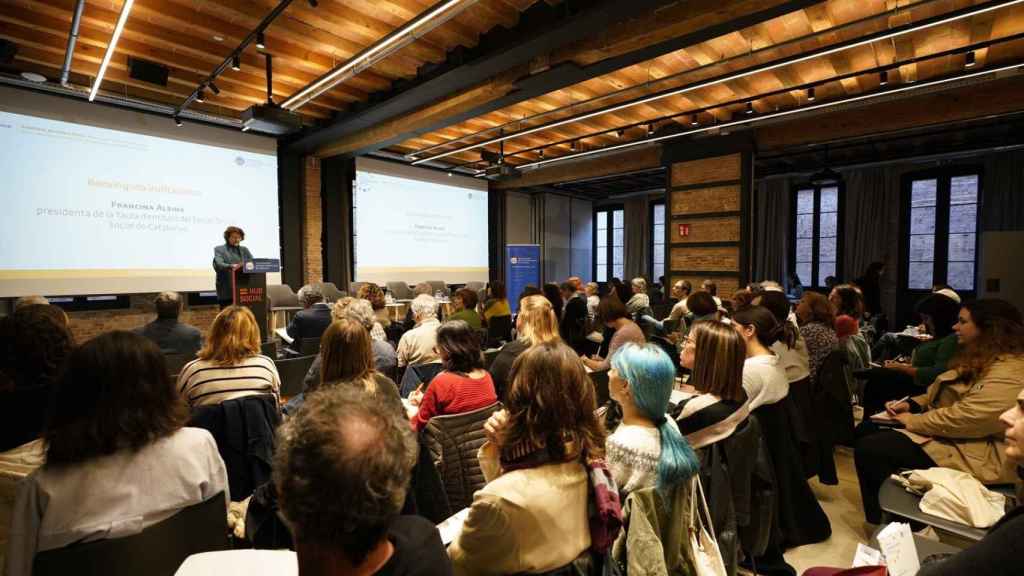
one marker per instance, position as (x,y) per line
(191,37)
(820,25)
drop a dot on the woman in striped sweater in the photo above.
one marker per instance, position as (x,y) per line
(230,365)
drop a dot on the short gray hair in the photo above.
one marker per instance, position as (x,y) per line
(424,306)
(32,300)
(361,311)
(354,447)
(309,295)
(168,304)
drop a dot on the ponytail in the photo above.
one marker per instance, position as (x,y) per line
(778,305)
(678,462)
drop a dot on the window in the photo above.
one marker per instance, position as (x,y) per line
(815,245)
(657,240)
(609,239)
(941,230)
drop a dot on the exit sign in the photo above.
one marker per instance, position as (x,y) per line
(684,230)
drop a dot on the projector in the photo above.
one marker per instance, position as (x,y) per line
(270,119)
(500,171)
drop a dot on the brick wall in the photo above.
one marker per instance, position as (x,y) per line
(86,325)
(312,223)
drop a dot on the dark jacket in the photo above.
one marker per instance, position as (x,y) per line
(453,441)
(310,323)
(502,366)
(997,554)
(173,337)
(244,430)
(573,327)
(224,257)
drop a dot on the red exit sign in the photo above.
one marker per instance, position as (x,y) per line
(684,230)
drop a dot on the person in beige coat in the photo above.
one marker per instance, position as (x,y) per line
(955,424)
(531,517)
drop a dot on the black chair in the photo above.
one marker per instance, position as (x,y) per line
(308,346)
(600,380)
(292,372)
(489,356)
(269,349)
(499,329)
(156,551)
(175,362)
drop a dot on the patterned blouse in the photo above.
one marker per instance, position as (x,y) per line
(821,340)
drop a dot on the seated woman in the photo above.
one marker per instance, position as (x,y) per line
(817,326)
(646,450)
(34,346)
(532,516)
(613,314)
(384,357)
(639,303)
(118,459)
(956,422)
(230,364)
(791,348)
(938,314)
(554,295)
(464,308)
(763,376)
(375,296)
(847,300)
(535,324)
(463,386)
(714,352)
(496,303)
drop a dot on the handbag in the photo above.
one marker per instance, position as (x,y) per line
(707,558)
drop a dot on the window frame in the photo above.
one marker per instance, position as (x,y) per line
(663,240)
(610,237)
(940,270)
(815,241)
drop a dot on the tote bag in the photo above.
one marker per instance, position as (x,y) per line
(706,555)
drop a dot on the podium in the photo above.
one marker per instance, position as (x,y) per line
(249,289)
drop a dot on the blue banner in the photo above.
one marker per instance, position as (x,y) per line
(522,267)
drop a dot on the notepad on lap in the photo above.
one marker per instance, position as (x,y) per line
(885,419)
(452,527)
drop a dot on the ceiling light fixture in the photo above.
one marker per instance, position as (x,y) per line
(810,94)
(694,121)
(750,108)
(201,96)
(620,132)
(236,63)
(261,41)
(650,129)
(406,34)
(572,146)
(969,60)
(883,77)
(126,8)
(772,115)
(177,122)
(782,62)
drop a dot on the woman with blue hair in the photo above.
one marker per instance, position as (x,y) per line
(647,449)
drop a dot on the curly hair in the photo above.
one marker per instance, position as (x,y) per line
(115,394)
(373,293)
(233,230)
(35,343)
(355,448)
(551,401)
(1000,333)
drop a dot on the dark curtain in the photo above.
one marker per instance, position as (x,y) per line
(638,237)
(496,236)
(872,227)
(337,175)
(771,230)
(1002,197)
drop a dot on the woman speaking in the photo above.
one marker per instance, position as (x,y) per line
(226,259)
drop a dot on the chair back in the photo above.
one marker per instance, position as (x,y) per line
(282,295)
(269,348)
(600,380)
(330,292)
(489,356)
(309,346)
(474,286)
(400,290)
(419,374)
(156,551)
(453,441)
(292,372)
(175,362)
(499,329)
(437,286)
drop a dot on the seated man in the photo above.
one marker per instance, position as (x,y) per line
(342,469)
(172,336)
(419,345)
(313,320)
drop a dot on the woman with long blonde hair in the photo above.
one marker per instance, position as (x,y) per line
(535,324)
(230,364)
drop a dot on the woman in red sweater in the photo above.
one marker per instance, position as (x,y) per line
(464,385)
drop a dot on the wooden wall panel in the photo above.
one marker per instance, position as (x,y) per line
(710,259)
(720,229)
(718,169)
(706,200)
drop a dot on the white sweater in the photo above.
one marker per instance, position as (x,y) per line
(632,453)
(764,380)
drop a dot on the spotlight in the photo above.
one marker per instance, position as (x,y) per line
(694,121)
(236,63)
(650,129)
(260,41)
(201,96)
(620,132)
(245,128)
(572,146)
(883,78)
(214,88)
(969,60)
(810,94)
(750,108)
(449,173)
(177,121)
(540,153)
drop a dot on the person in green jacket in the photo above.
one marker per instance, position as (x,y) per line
(938,314)
(464,305)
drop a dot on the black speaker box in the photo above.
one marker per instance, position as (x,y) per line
(147,71)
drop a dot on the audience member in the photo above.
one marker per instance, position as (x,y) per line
(313,319)
(417,346)
(463,385)
(656,291)
(646,450)
(850,339)
(410,319)
(384,358)
(31,300)
(117,457)
(796,287)
(763,377)
(702,306)
(946,291)
(554,295)
(375,296)
(497,302)
(791,348)
(464,305)
(613,314)
(936,313)
(847,300)
(230,364)
(639,304)
(871,287)
(930,358)
(573,327)
(715,354)
(535,324)
(830,283)
(618,289)
(817,326)
(355,448)
(958,416)
(680,293)
(711,288)
(741,298)
(171,336)
(532,516)
(592,300)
